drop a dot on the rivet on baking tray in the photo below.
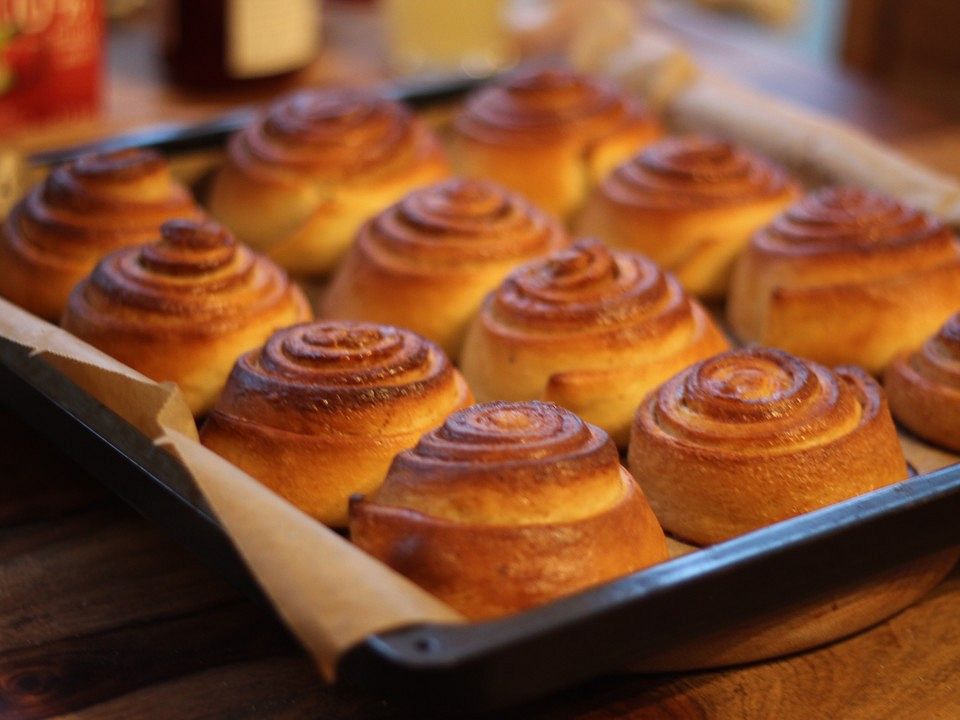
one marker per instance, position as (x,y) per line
(426,644)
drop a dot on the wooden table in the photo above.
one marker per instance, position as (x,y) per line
(103,616)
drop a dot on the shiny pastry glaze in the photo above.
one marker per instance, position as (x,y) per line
(330,135)
(846,219)
(694,172)
(760,401)
(459,223)
(938,359)
(591,287)
(195,275)
(506,506)
(547,106)
(506,463)
(95,204)
(341,370)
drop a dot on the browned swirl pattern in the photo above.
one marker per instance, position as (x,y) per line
(589,285)
(762,401)
(538,104)
(426,262)
(511,434)
(848,219)
(330,134)
(893,269)
(938,360)
(694,172)
(196,271)
(320,410)
(501,440)
(338,368)
(509,505)
(456,223)
(98,203)
(589,328)
(79,213)
(754,436)
(924,387)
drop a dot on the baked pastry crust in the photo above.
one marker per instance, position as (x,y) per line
(81,212)
(183,308)
(924,387)
(426,262)
(301,179)
(754,436)
(507,506)
(846,276)
(591,329)
(319,411)
(689,203)
(573,129)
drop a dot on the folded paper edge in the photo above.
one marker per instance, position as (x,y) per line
(662,73)
(330,594)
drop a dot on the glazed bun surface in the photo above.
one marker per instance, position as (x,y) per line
(924,387)
(81,212)
(319,411)
(570,127)
(846,276)
(185,307)
(754,436)
(589,328)
(689,203)
(302,178)
(426,262)
(507,506)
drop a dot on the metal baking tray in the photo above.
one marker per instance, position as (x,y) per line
(494,664)
(488,665)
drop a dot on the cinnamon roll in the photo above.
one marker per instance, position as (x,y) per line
(689,203)
(590,329)
(550,135)
(300,180)
(751,437)
(846,276)
(183,308)
(81,212)
(924,387)
(507,506)
(426,262)
(321,409)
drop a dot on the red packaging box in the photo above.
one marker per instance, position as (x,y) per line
(51,59)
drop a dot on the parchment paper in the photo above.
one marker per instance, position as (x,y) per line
(330,594)
(818,148)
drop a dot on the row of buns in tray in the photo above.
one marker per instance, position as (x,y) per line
(570,348)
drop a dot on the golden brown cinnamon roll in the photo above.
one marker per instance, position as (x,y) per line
(426,262)
(689,203)
(924,387)
(550,135)
(183,308)
(507,506)
(590,329)
(321,409)
(81,212)
(300,180)
(751,437)
(846,276)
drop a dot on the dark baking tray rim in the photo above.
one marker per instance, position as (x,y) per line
(489,665)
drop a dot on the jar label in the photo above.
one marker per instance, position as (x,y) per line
(268,37)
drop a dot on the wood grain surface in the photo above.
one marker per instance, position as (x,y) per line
(103,616)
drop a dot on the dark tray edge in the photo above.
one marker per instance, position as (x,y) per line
(490,665)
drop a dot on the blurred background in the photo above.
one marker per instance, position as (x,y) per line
(119,60)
